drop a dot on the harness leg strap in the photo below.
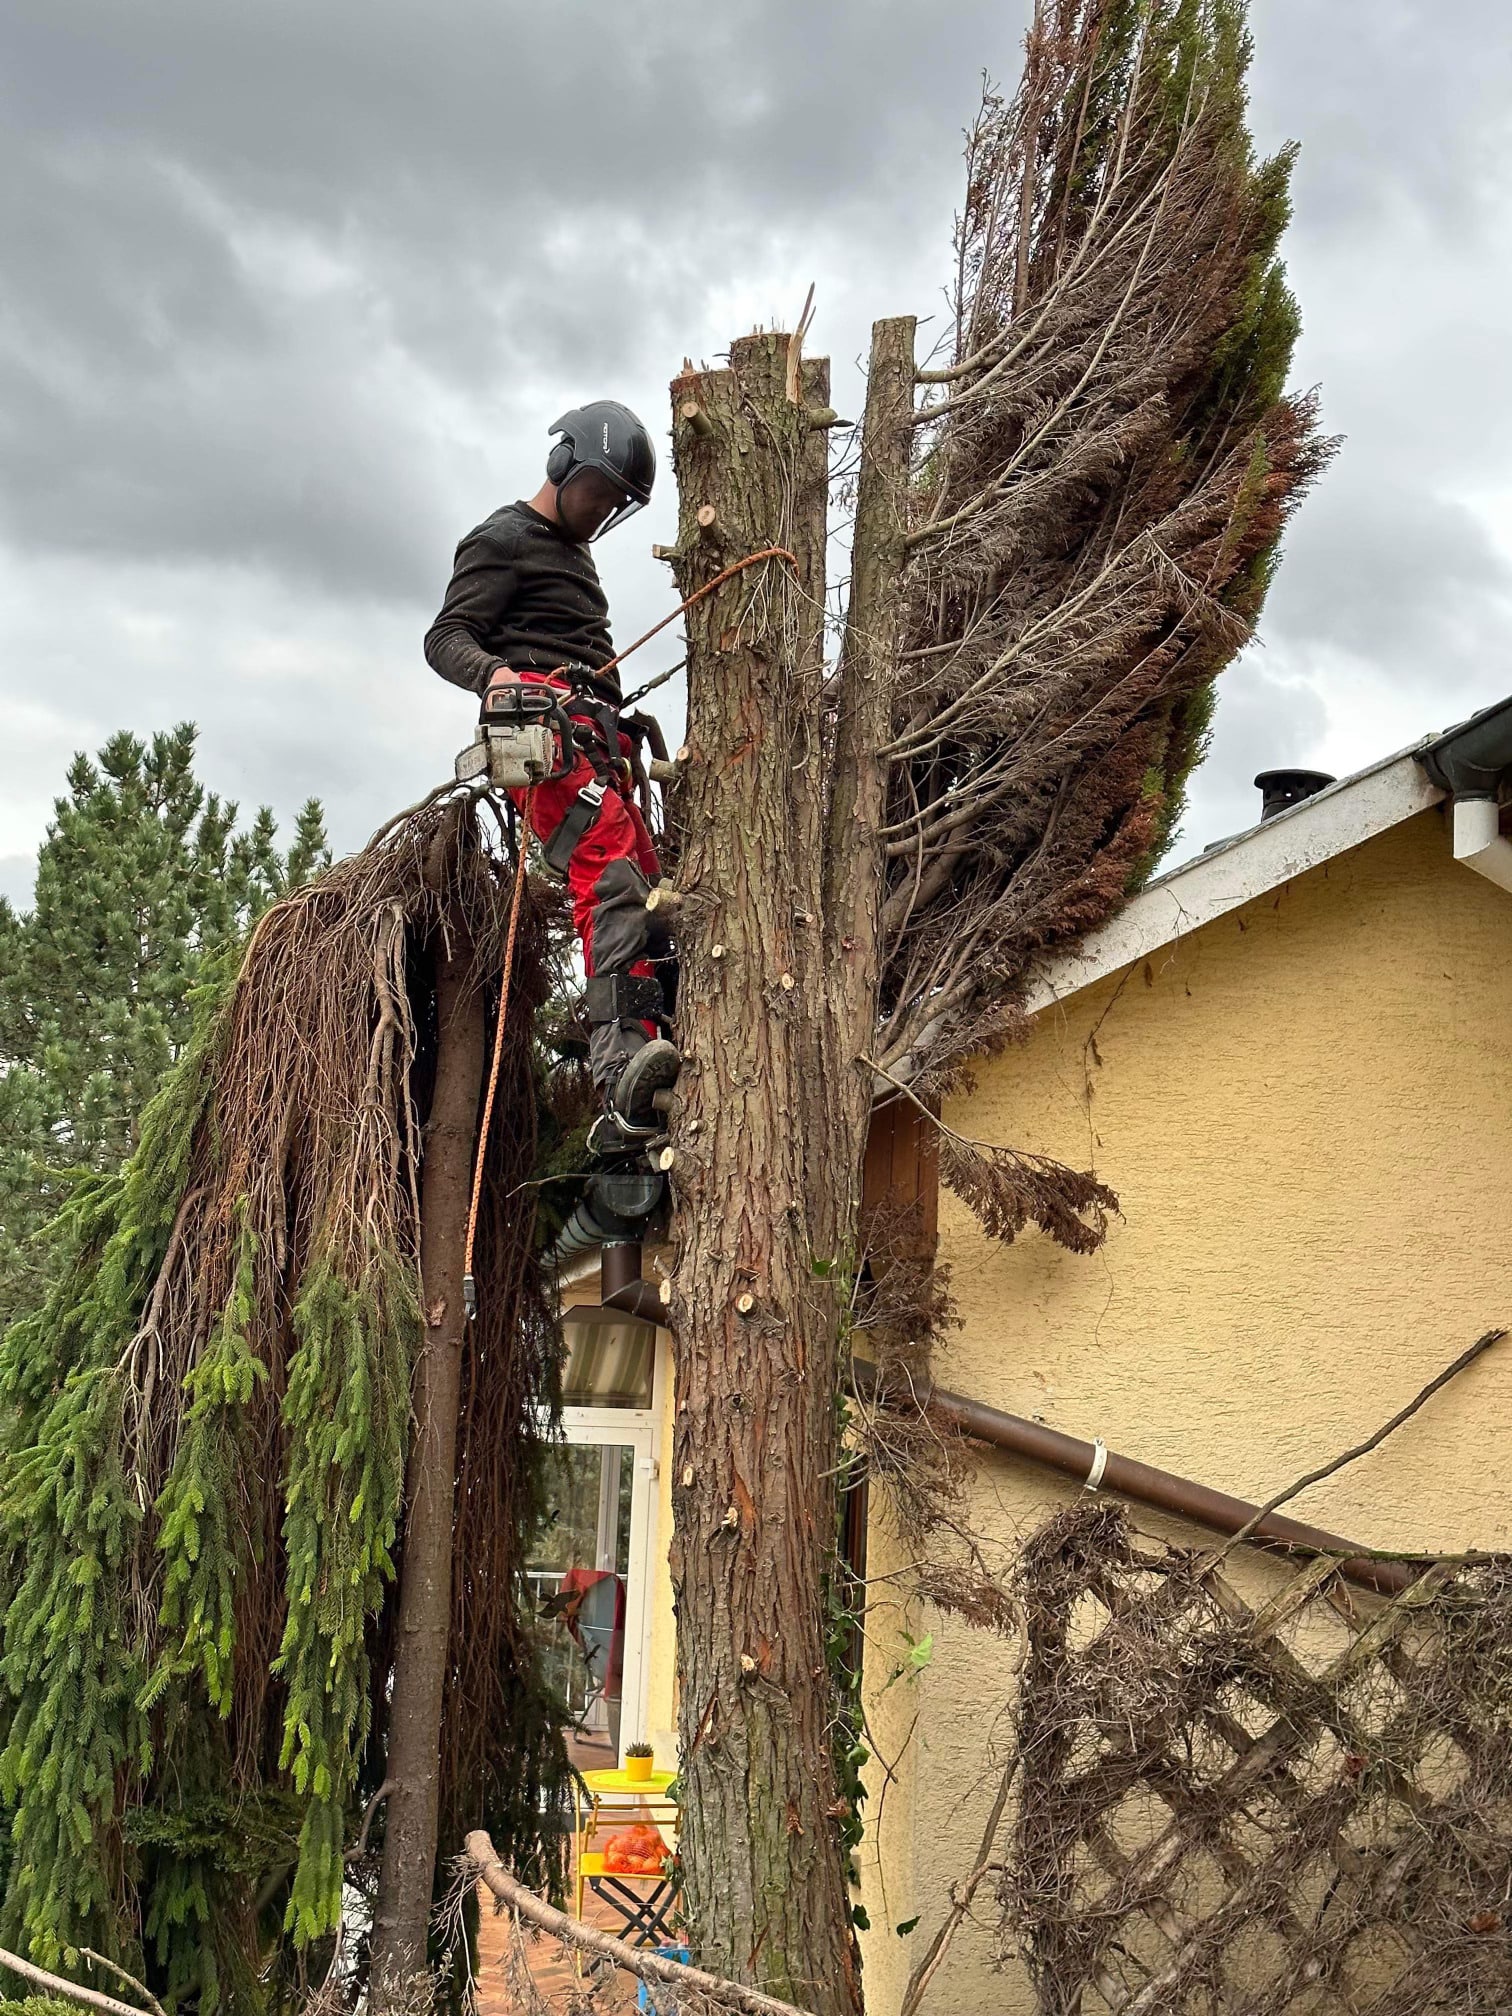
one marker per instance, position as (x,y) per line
(623,997)
(579,816)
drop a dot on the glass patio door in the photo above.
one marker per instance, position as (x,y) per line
(590,1566)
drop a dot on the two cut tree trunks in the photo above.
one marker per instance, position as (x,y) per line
(777,940)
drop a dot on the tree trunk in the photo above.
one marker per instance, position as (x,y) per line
(406,1880)
(867,684)
(758,1288)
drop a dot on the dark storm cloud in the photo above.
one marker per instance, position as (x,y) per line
(291,292)
(254,247)
(660,100)
(1395,575)
(1408,97)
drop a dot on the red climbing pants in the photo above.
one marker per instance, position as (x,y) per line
(610,874)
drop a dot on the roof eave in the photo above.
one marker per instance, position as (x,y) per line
(1239,870)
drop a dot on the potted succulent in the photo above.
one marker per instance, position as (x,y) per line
(639,1757)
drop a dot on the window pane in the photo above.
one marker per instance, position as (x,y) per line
(577,1569)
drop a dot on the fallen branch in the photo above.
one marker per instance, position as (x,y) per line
(484,1865)
(114,1967)
(92,1998)
(1364,1448)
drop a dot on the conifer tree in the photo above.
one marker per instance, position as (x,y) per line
(142,878)
(203,1432)
(1064,529)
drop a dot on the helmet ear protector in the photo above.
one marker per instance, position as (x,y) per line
(559,461)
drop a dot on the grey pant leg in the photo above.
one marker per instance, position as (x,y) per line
(611,1045)
(618,940)
(618,934)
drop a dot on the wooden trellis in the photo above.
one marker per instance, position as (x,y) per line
(1231,1810)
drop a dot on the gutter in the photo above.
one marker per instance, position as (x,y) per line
(1090,1464)
(1097,1468)
(1472,763)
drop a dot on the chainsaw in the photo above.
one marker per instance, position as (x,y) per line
(523,738)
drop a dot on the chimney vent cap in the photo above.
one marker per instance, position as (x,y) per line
(1281,789)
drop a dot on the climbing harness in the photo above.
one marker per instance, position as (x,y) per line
(534,719)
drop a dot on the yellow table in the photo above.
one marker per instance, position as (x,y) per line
(644,1917)
(619,1782)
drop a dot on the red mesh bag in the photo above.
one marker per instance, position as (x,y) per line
(635,1851)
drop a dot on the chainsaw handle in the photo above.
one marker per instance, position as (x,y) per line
(513,702)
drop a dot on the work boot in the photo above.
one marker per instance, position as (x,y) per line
(630,1098)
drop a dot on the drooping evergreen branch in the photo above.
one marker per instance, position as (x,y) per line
(204,1431)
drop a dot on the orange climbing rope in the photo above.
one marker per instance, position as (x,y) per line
(737,567)
(469,1285)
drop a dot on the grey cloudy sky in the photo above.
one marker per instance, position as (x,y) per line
(292,291)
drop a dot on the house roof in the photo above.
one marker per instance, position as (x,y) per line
(1237,870)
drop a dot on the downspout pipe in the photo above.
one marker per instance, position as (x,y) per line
(1479,842)
(1472,763)
(1096,1467)
(623,1286)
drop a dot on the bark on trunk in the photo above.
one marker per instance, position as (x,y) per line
(402,1920)
(756,1299)
(867,684)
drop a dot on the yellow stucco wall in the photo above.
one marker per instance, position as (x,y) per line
(1306,1109)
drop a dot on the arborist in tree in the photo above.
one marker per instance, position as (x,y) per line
(525,606)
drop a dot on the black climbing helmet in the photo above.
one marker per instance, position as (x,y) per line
(606,436)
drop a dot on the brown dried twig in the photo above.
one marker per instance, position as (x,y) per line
(481,1864)
(1374,1441)
(1009,1188)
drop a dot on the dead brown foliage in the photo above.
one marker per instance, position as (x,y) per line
(307,1154)
(1105,467)
(1245,1810)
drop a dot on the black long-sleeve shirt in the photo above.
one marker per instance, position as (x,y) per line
(525,595)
